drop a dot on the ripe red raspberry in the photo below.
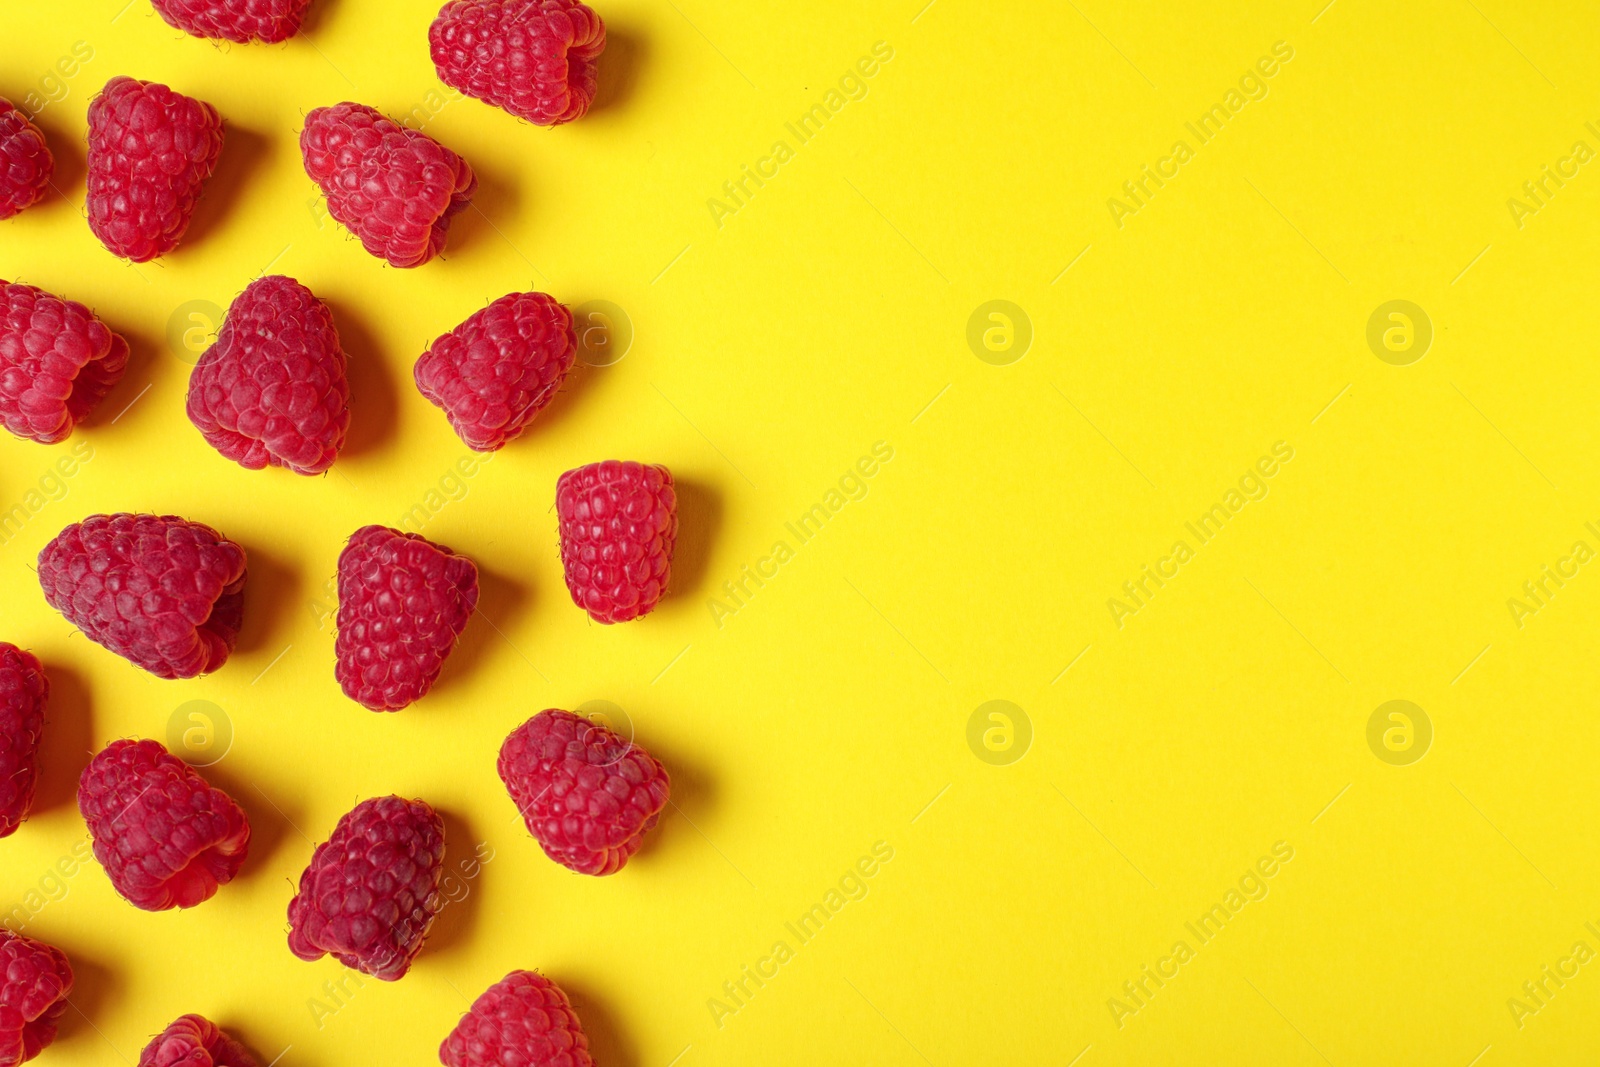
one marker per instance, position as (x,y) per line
(395,188)
(372,889)
(497,370)
(164,593)
(24,690)
(619,523)
(523,1020)
(151,151)
(25,161)
(35,979)
(534,58)
(195,1041)
(403,601)
(166,837)
(272,390)
(241,21)
(57,362)
(587,795)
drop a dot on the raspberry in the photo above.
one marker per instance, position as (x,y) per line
(241,21)
(523,1020)
(403,601)
(372,889)
(25,161)
(166,837)
(195,1041)
(57,362)
(164,593)
(24,689)
(533,58)
(587,795)
(396,189)
(150,153)
(497,370)
(272,390)
(35,979)
(619,523)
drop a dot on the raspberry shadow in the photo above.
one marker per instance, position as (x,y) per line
(94,986)
(460,884)
(688,807)
(243,160)
(502,601)
(618,68)
(126,400)
(68,739)
(374,404)
(699,519)
(319,13)
(489,217)
(269,810)
(271,592)
(609,1044)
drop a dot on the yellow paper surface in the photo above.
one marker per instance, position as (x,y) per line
(1194,505)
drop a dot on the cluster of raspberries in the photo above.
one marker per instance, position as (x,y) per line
(168,594)
(167,838)
(152,150)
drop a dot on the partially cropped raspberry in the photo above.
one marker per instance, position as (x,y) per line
(24,690)
(57,362)
(523,1020)
(534,58)
(164,593)
(195,1041)
(497,370)
(394,188)
(35,979)
(619,524)
(151,151)
(403,601)
(166,837)
(372,889)
(25,161)
(587,795)
(272,390)
(241,21)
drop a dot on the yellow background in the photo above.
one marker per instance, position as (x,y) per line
(830,712)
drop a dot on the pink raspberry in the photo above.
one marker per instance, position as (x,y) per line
(372,889)
(166,837)
(523,1020)
(533,58)
(57,362)
(403,601)
(587,795)
(241,21)
(619,523)
(394,188)
(272,390)
(24,691)
(195,1041)
(499,368)
(26,164)
(164,593)
(35,980)
(151,151)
